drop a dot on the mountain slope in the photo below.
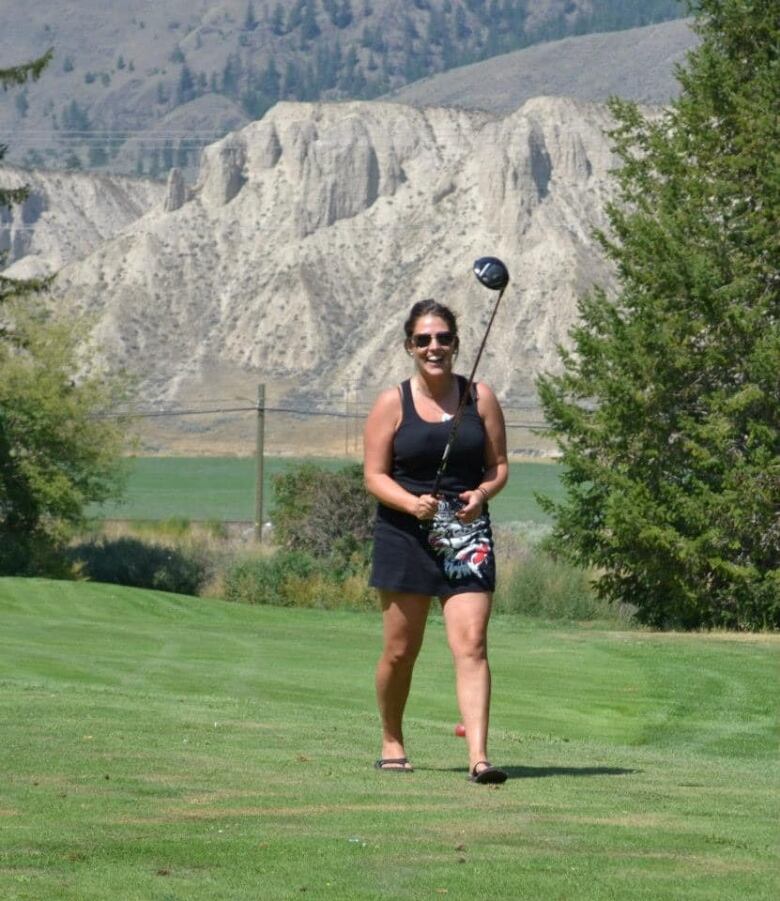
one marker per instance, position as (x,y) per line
(66,215)
(138,87)
(312,231)
(637,64)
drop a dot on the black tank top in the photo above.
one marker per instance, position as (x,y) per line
(418,446)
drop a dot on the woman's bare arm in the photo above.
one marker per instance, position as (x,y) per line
(380,429)
(496,465)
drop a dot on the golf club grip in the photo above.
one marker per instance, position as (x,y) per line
(463,401)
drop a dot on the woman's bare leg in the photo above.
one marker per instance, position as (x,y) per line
(404,617)
(466,619)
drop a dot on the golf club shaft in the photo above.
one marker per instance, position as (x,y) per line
(464,400)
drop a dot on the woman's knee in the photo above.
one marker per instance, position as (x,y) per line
(469,646)
(401,652)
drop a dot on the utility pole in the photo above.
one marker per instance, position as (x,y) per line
(357,425)
(346,420)
(260,454)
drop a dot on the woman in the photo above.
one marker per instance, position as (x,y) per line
(426,546)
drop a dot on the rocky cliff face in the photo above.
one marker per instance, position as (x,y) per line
(296,257)
(66,215)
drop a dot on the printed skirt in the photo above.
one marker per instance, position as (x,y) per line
(439,558)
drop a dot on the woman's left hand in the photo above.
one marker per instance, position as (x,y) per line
(472,505)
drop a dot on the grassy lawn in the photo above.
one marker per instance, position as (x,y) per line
(223,488)
(156,746)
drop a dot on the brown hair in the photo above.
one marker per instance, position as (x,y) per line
(430,307)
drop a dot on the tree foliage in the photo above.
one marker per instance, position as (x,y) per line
(56,455)
(15,76)
(667,408)
(326,514)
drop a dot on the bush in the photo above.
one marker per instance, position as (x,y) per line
(139,564)
(297,579)
(173,528)
(322,513)
(541,586)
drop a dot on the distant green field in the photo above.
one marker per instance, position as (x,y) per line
(223,488)
(157,746)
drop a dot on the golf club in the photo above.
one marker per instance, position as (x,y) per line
(493,274)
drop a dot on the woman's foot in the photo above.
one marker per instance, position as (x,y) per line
(394,765)
(484,773)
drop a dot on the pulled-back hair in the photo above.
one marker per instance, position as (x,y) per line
(430,307)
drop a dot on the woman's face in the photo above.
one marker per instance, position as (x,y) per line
(432,345)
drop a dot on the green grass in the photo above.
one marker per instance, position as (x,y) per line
(223,488)
(155,746)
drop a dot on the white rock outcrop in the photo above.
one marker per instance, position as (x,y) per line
(176,191)
(310,233)
(66,216)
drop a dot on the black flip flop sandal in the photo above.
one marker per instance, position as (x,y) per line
(491,775)
(393,765)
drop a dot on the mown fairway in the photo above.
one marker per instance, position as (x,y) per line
(223,488)
(156,746)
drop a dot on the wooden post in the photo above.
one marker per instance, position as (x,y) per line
(259,453)
(346,420)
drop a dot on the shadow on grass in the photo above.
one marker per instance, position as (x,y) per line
(544,772)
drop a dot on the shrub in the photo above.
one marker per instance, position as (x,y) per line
(541,586)
(297,579)
(175,527)
(322,513)
(139,564)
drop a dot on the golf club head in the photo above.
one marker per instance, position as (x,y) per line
(491,272)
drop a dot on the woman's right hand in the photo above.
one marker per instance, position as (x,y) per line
(425,507)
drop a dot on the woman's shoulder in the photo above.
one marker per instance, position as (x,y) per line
(482,389)
(388,400)
(487,402)
(479,390)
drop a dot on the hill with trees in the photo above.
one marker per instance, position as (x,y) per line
(141,87)
(635,64)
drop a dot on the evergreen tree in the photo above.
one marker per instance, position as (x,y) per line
(56,455)
(182,155)
(154,163)
(22,103)
(270,81)
(309,27)
(295,16)
(277,20)
(250,20)
(343,15)
(167,155)
(185,90)
(231,76)
(74,118)
(667,410)
(292,82)
(17,76)
(98,155)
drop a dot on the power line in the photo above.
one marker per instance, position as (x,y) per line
(295,411)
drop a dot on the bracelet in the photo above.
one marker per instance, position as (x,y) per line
(485,496)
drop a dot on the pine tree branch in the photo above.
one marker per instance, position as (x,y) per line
(31,71)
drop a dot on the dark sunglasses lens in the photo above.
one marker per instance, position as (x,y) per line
(444,339)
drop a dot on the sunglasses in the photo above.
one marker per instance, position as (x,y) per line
(445,339)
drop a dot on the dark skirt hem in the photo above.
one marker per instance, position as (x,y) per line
(404,561)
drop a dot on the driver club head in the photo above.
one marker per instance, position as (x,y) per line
(491,272)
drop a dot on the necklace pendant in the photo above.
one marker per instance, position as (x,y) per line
(446,417)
